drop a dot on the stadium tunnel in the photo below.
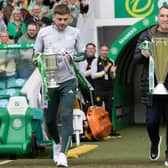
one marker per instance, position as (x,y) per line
(127,108)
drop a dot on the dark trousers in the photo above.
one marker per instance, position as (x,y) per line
(106,97)
(62,97)
(154,113)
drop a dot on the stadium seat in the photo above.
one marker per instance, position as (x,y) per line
(15,127)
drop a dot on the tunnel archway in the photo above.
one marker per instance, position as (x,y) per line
(121,52)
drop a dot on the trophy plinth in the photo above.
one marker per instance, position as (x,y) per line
(160,90)
(51,81)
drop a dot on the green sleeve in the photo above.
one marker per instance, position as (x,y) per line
(12,27)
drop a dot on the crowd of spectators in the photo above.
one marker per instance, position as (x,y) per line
(21,20)
(37,11)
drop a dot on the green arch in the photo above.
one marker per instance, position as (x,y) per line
(122,88)
(128,34)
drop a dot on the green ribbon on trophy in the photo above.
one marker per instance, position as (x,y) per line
(146,46)
(81,79)
(79,57)
(42,69)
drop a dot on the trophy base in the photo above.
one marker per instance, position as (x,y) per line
(160,90)
(52,84)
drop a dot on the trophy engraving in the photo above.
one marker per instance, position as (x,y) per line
(159,51)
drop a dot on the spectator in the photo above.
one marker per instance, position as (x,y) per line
(38,18)
(156,106)
(44,9)
(2,22)
(16,27)
(4,38)
(7,62)
(102,71)
(24,66)
(11,5)
(74,8)
(20,4)
(85,68)
(8,10)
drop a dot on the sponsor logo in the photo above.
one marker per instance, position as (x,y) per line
(139,8)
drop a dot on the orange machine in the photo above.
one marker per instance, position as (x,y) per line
(99,122)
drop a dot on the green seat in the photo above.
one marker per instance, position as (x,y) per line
(3,102)
(15,83)
(15,127)
(2,85)
(12,83)
(10,92)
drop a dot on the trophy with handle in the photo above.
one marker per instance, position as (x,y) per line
(159,51)
(50,60)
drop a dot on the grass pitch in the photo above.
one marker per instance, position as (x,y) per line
(129,151)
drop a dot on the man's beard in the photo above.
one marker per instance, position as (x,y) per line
(32,37)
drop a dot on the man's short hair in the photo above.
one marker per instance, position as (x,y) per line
(61,9)
(163,6)
(104,45)
(32,23)
(92,44)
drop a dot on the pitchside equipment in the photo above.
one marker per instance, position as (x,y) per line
(15,127)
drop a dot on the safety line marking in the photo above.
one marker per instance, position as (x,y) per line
(5,162)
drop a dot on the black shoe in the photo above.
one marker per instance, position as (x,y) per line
(41,147)
(115,134)
(155,150)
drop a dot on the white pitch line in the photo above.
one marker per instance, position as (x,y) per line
(5,162)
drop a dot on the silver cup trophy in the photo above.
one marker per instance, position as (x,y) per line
(51,62)
(159,51)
